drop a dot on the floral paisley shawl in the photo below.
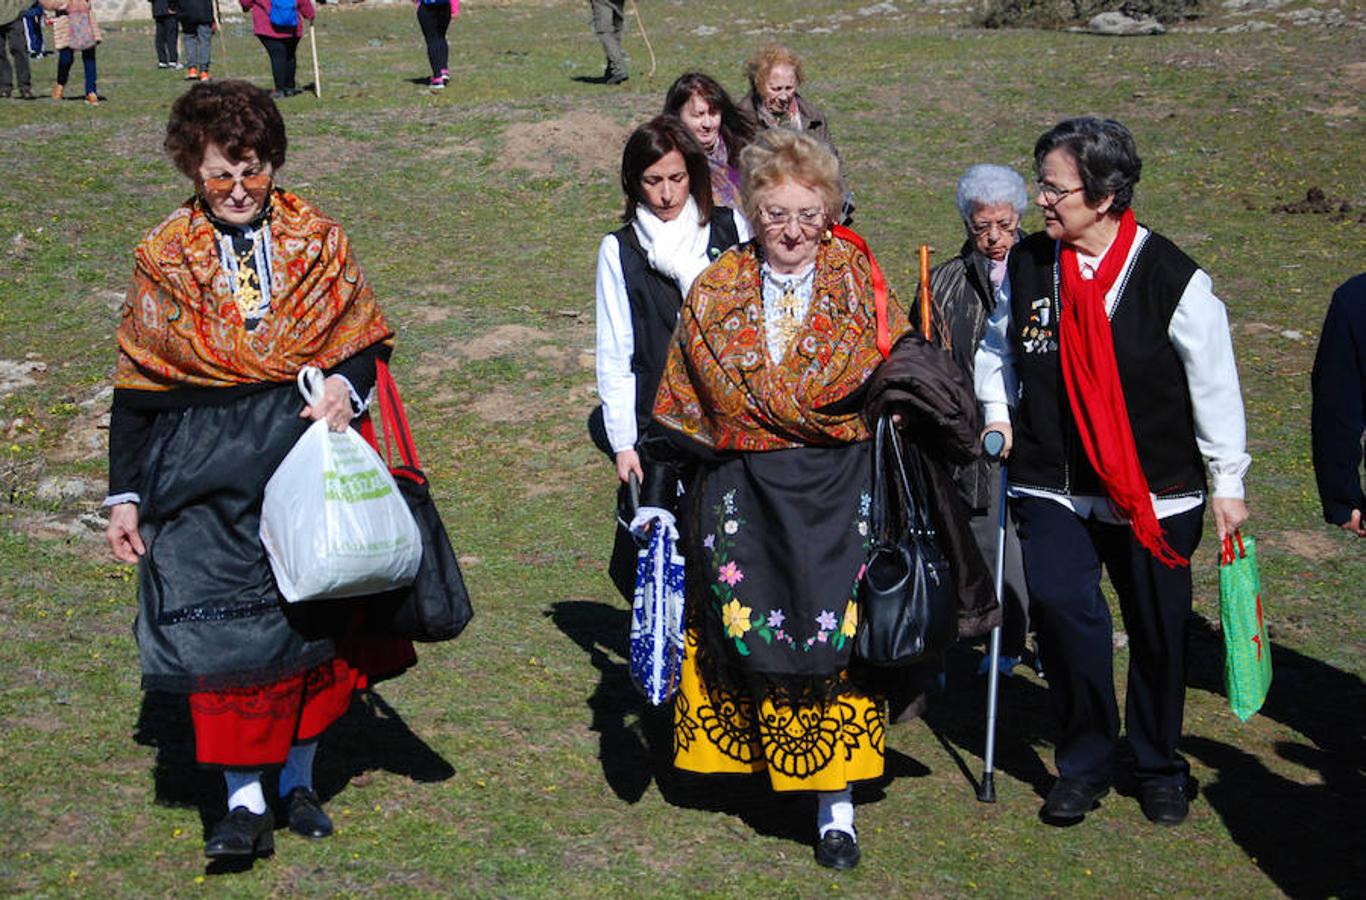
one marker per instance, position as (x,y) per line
(721,389)
(180,326)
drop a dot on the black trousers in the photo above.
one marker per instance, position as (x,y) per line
(434,19)
(1063,555)
(282,59)
(167,39)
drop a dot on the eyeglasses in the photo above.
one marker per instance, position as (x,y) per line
(1052,193)
(807,219)
(1005,225)
(226,184)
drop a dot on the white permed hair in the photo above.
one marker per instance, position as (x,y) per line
(989,185)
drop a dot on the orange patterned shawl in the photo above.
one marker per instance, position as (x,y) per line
(180,326)
(721,389)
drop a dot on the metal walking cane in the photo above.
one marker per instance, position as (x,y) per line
(993,443)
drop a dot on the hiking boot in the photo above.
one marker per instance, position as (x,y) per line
(192,74)
(204,75)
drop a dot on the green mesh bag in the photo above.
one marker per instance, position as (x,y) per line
(1247,651)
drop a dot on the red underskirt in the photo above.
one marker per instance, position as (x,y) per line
(250,728)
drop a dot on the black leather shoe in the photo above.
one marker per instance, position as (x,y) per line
(1164,804)
(242,833)
(1070,800)
(304,812)
(837,850)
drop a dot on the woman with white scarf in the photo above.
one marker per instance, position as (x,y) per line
(645,269)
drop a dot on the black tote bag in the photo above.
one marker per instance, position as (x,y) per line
(907,598)
(436,607)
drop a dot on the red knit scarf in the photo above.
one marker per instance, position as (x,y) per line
(1087,349)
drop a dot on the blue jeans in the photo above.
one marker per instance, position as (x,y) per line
(197,45)
(66,56)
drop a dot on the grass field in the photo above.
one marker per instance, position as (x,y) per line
(518,761)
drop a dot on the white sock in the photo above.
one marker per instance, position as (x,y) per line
(835,812)
(244,789)
(298,770)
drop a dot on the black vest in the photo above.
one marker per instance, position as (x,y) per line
(655,302)
(1047,452)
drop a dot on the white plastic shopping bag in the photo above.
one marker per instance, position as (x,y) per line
(333,522)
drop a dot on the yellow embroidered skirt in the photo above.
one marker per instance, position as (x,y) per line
(811,748)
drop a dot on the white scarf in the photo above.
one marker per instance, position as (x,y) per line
(676,249)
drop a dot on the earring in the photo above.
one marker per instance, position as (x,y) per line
(827,235)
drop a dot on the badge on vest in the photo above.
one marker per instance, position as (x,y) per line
(1038,335)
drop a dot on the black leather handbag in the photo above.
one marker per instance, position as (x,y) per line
(436,607)
(907,599)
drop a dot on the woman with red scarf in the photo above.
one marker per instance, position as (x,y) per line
(233,293)
(1111,357)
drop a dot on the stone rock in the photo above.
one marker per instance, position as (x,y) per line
(1120,25)
(61,488)
(15,374)
(705,30)
(1248,6)
(879,9)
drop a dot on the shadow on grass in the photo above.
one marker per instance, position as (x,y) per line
(636,744)
(1305,837)
(369,736)
(957,716)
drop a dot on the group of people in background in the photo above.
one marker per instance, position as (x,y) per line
(278,26)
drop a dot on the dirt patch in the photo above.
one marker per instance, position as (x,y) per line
(503,340)
(1315,546)
(430,315)
(500,405)
(584,141)
(1354,76)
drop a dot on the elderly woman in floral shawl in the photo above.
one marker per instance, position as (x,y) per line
(764,383)
(232,295)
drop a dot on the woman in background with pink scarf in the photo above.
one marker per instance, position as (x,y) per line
(1111,357)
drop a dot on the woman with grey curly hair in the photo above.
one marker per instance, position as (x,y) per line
(1111,357)
(991,200)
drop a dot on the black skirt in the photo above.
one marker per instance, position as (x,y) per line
(778,541)
(210,616)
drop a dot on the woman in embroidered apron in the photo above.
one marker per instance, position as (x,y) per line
(775,336)
(232,294)
(711,116)
(1126,378)
(645,268)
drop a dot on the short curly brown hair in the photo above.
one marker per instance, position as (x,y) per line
(238,116)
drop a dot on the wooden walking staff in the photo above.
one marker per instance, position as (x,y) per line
(222,32)
(925,323)
(317,79)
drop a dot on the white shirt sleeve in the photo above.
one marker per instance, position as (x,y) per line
(742,231)
(616,343)
(994,362)
(1199,331)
